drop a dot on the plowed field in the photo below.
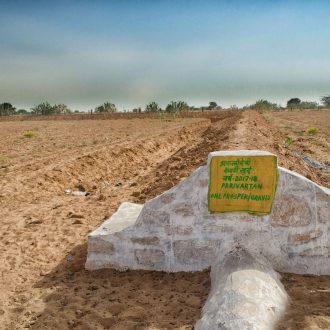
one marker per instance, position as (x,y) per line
(44,226)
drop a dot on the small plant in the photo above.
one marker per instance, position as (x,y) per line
(28,134)
(287,142)
(312,130)
(162,115)
(175,114)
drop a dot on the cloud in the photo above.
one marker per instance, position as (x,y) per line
(83,55)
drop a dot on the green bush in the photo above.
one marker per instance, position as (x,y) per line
(28,134)
(152,107)
(287,141)
(263,105)
(312,130)
(106,107)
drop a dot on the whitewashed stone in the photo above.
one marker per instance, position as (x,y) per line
(154,218)
(199,253)
(181,214)
(179,230)
(305,237)
(324,210)
(105,248)
(150,258)
(125,216)
(316,251)
(324,214)
(99,245)
(145,240)
(299,213)
(246,293)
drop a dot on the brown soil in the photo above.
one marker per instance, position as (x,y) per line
(295,125)
(43,229)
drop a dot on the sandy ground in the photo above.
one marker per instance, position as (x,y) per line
(310,295)
(295,125)
(43,229)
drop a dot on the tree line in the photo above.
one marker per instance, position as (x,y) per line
(293,103)
(45,108)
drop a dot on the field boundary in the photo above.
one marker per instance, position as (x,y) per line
(117,115)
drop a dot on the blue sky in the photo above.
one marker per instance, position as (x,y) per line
(83,53)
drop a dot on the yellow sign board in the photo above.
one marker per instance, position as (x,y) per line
(242,183)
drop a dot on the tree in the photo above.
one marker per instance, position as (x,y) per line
(326,101)
(22,112)
(43,109)
(61,109)
(308,105)
(6,109)
(212,105)
(106,107)
(152,107)
(293,103)
(46,108)
(261,105)
(178,106)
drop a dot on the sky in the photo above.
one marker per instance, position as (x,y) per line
(83,53)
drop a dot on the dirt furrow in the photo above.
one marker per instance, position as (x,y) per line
(43,230)
(183,162)
(51,223)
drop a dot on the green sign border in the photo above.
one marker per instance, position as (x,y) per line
(248,211)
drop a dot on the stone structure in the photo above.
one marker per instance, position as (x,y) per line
(246,293)
(176,232)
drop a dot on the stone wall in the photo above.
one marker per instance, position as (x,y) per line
(176,232)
